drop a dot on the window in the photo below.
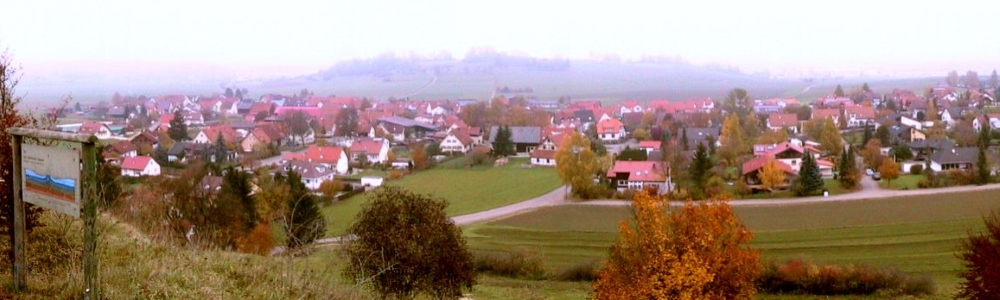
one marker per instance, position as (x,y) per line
(622,182)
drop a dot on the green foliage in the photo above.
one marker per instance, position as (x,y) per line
(519,263)
(631,154)
(701,168)
(304,222)
(916,169)
(981,260)
(503,146)
(178,130)
(809,182)
(839,92)
(902,152)
(406,245)
(236,184)
(983,169)
(433,148)
(868,135)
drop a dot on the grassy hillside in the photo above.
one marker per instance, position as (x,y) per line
(467,190)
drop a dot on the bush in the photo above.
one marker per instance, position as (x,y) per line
(916,169)
(260,241)
(580,272)
(395,174)
(980,259)
(520,263)
(797,276)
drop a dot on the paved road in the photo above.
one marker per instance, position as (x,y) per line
(552,198)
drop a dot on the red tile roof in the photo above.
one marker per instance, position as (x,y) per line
(820,113)
(91,127)
(609,126)
(639,170)
(650,144)
(137,163)
(860,112)
(317,154)
(368,146)
(759,162)
(539,153)
(782,120)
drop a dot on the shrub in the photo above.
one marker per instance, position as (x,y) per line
(579,272)
(916,169)
(981,262)
(259,241)
(520,263)
(797,276)
(395,174)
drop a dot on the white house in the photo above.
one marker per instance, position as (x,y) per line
(610,130)
(98,129)
(375,150)
(140,166)
(371,181)
(456,142)
(313,174)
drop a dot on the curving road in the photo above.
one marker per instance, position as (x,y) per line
(869,190)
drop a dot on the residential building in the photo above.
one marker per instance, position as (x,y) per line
(373,150)
(135,166)
(313,173)
(525,138)
(610,129)
(98,129)
(637,175)
(332,157)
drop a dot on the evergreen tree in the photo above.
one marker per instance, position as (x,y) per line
(237,185)
(882,134)
(701,168)
(684,139)
(305,223)
(865,88)
(847,172)
(810,182)
(839,92)
(867,136)
(221,153)
(503,145)
(983,172)
(178,129)
(994,80)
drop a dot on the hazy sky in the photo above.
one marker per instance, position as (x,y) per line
(311,35)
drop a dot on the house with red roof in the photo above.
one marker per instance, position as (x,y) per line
(333,157)
(637,175)
(121,149)
(267,134)
(860,116)
(146,141)
(833,113)
(627,107)
(373,150)
(313,174)
(650,146)
(98,129)
(545,154)
(753,167)
(211,134)
(610,129)
(136,166)
(788,122)
(456,141)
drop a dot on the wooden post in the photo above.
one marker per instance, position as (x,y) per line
(20,263)
(89,203)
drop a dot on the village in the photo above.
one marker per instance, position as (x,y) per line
(643,143)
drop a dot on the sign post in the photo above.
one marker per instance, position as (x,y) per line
(60,177)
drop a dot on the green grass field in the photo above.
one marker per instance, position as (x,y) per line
(467,190)
(919,234)
(904,182)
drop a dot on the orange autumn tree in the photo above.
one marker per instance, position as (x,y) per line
(700,251)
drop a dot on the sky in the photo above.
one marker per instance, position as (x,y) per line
(305,36)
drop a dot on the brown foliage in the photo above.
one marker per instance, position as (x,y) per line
(259,241)
(981,258)
(698,252)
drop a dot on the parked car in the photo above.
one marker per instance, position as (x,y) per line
(877,176)
(869,172)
